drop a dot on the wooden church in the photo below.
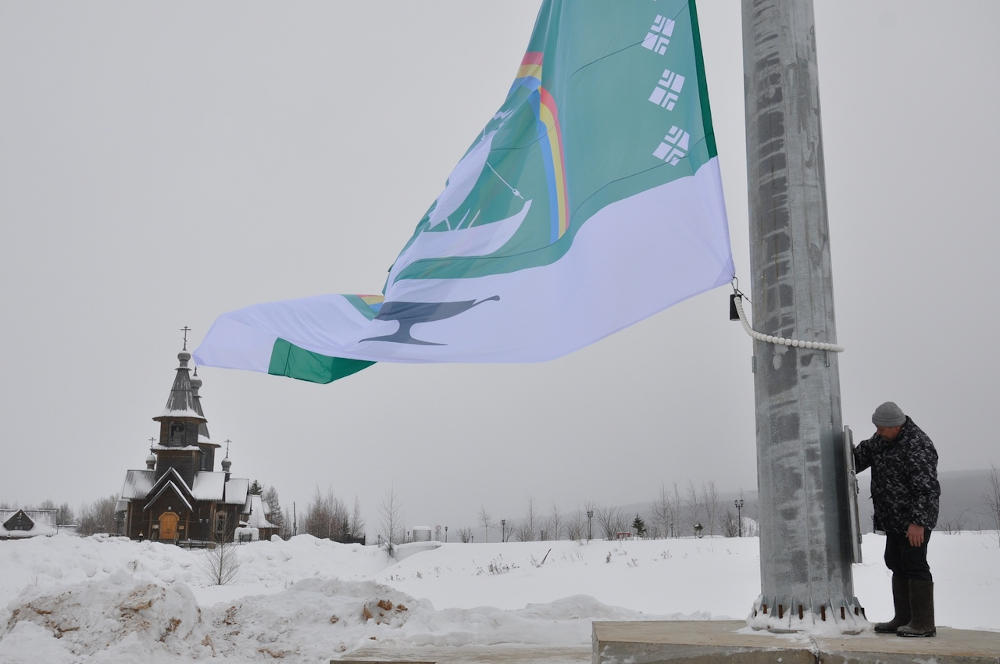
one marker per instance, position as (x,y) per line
(179,495)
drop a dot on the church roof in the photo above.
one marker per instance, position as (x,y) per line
(208,485)
(181,404)
(169,486)
(236,490)
(203,434)
(138,483)
(171,476)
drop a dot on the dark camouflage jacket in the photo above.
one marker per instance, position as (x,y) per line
(905,488)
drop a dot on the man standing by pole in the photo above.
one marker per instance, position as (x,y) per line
(905,493)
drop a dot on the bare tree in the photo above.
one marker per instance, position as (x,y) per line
(486,521)
(553,530)
(663,514)
(693,510)
(710,503)
(317,517)
(576,529)
(993,498)
(526,533)
(340,522)
(391,521)
(99,517)
(64,514)
(465,534)
(731,527)
(357,524)
(222,562)
(327,517)
(676,526)
(611,520)
(320,519)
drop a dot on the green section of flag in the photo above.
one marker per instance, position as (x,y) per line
(287,359)
(598,71)
(706,108)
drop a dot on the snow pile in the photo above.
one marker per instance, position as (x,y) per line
(69,599)
(91,616)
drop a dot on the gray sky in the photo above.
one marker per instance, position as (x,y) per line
(161,163)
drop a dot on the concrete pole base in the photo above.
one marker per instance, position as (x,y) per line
(847,617)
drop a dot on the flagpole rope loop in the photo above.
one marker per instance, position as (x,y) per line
(781,341)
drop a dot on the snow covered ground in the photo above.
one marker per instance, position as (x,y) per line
(68,599)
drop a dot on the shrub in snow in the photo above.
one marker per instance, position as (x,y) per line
(222,563)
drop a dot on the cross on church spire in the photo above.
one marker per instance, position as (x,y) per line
(152,440)
(227,441)
(185,330)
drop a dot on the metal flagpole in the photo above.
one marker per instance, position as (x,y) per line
(805,539)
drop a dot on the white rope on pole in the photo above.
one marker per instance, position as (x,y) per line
(781,341)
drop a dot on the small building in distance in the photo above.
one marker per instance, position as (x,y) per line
(256,518)
(20,523)
(180,496)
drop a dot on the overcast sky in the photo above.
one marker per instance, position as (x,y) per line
(161,163)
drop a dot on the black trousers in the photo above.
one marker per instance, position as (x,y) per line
(910,562)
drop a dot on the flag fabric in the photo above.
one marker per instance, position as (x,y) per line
(591,200)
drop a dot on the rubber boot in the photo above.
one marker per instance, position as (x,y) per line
(921,610)
(901,602)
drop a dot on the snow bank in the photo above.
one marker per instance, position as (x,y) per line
(69,599)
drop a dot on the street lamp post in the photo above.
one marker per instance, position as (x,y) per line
(590,531)
(739,516)
(503,530)
(446,534)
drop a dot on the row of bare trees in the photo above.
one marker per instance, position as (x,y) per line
(672,514)
(328,517)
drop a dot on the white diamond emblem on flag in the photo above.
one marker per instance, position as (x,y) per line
(668,90)
(658,38)
(674,146)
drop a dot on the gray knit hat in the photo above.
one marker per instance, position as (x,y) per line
(888,415)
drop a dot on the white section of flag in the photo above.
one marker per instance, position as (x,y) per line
(631,259)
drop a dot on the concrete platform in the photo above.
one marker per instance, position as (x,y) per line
(500,653)
(705,642)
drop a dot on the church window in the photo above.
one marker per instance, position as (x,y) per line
(176,432)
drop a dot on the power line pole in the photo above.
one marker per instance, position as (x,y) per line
(805,547)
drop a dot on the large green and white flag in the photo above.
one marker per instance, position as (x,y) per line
(590,200)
